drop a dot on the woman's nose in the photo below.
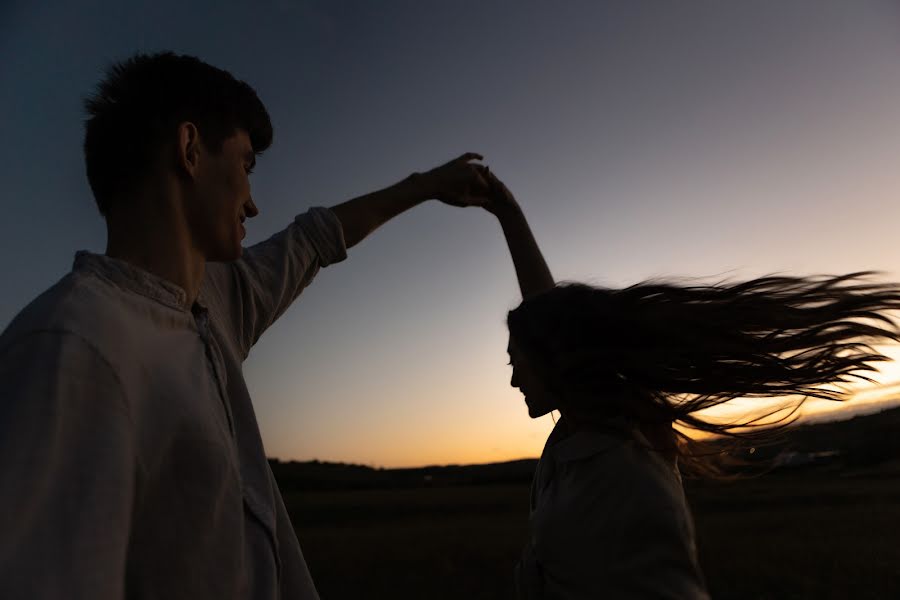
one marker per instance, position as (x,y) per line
(250,209)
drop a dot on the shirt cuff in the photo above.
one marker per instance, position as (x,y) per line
(326,234)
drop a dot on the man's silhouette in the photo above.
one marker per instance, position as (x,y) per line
(131,463)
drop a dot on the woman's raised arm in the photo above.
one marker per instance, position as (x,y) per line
(531,268)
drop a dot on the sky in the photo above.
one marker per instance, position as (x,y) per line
(719,139)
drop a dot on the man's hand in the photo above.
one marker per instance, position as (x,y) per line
(458,182)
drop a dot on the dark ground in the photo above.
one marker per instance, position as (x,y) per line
(823,531)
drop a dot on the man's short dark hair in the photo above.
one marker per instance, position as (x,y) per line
(136,110)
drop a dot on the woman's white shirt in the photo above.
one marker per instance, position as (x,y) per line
(608,519)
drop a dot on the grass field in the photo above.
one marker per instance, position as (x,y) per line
(817,534)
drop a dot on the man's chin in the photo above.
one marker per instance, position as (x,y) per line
(230,255)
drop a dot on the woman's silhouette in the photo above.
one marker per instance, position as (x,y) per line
(608,514)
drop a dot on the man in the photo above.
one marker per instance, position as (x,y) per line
(131,463)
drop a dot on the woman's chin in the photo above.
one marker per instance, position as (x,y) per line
(537,411)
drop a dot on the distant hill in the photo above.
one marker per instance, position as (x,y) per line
(316,475)
(856,442)
(861,440)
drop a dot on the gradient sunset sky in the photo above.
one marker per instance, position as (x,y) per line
(643,139)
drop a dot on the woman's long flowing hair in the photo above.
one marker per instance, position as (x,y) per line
(661,351)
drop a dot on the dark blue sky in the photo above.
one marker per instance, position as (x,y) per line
(643,139)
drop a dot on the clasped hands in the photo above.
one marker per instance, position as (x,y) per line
(462,182)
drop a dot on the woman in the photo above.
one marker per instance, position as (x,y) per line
(608,514)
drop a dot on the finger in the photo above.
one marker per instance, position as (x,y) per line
(483,170)
(469,156)
(491,179)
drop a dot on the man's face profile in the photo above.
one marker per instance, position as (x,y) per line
(221,200)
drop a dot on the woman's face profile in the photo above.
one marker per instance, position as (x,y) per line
(524,377)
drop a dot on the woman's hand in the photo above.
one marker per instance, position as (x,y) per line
(500,200)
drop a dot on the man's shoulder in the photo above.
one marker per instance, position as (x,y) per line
(77,305)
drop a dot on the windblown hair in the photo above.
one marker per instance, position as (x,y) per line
(136,109)
(659,352)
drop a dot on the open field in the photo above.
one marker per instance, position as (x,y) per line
(819,533)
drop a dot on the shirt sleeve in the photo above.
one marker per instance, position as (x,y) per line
(252,292)
(68,471)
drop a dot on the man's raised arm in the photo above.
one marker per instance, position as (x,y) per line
(251,293)
(458,182)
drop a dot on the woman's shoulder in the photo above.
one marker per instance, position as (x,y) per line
(608,465)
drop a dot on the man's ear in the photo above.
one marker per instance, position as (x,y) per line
(189,148)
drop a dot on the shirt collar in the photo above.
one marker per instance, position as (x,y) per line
(129,277)
(586,442)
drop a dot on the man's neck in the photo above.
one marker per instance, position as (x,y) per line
(159,243)
(185,272)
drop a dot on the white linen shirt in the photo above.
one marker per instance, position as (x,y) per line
(608,520)
(131,464)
